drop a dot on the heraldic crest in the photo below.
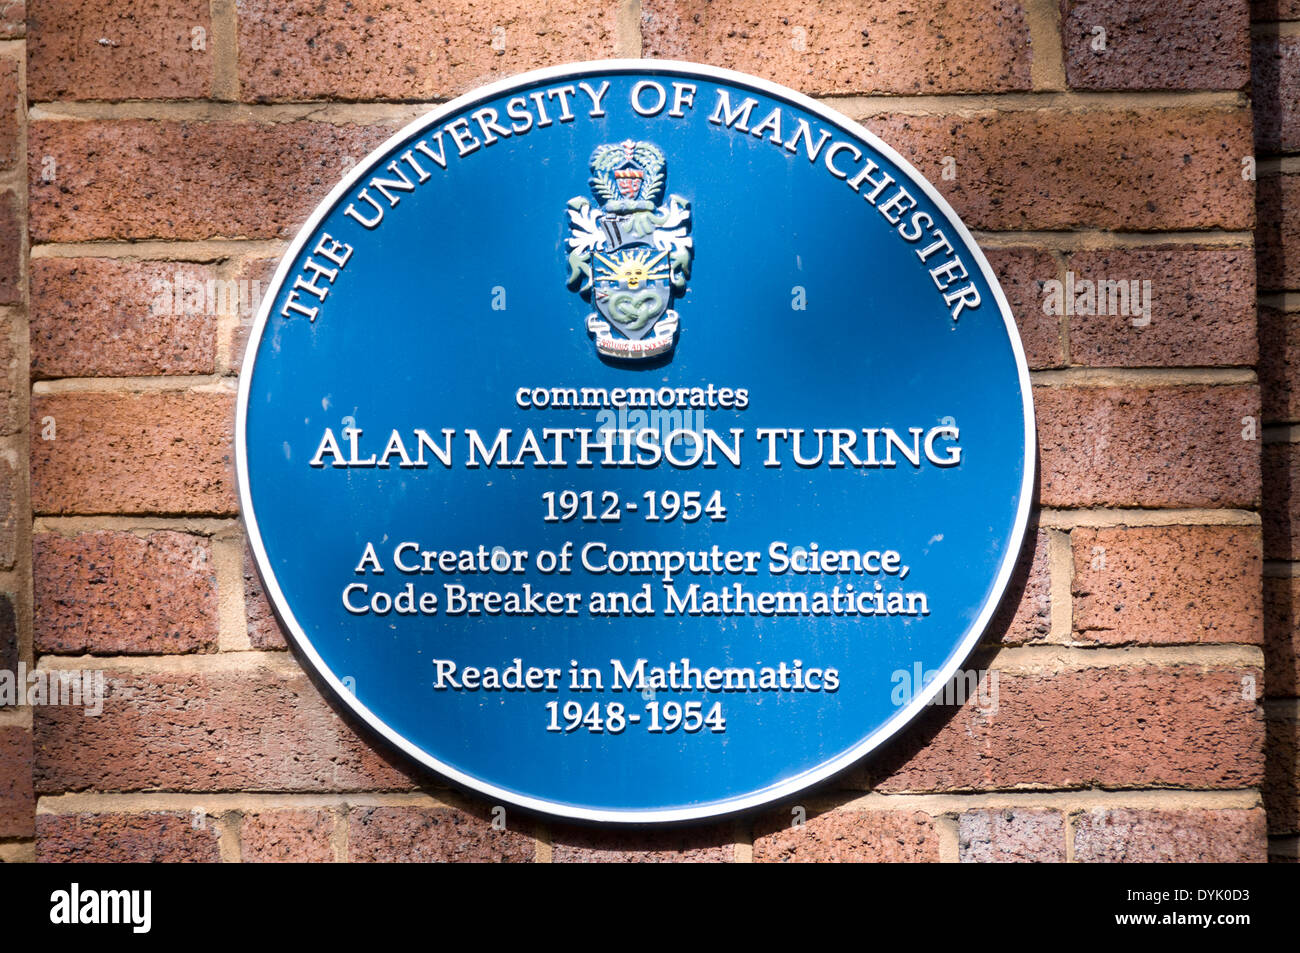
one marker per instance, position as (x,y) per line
(629,255)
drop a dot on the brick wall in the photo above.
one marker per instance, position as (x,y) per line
(1147,659)
(1275,59)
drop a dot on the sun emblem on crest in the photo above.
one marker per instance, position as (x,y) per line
(630,256)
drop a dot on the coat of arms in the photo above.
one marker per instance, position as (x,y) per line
(629,255)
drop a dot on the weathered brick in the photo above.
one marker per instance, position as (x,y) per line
(166,452)
(1156,44)
(11,248)
(1131,835)
(10,374)
(1279,364)
(1277,238)
(1282,635)
(9,509)
(1275,64)
(17,802)
(255,274)
(1127,169)
(118,49)
(849,835)
(8,636)
(1282,775)
(10,112)
(137,178)
(114,593)
(153,837)
(1280,514)
(1160,585)
(431,835)
(405,49)
(1011,835)
(580,845)
(1202,308)
(259,729)
(1023,272)
(951,46)
(101,317)
(13,19)
(263,628)
(1026,612)
(287,836)
(1117,727)
(1160,446)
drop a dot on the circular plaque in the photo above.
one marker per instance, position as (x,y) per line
(635,441)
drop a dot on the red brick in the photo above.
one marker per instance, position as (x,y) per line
(1275,64)
(287,836)
(1281,511)
(98,317)
(1129,169)
(8,636)
(1279,364)
(1130,835)
(154,837)
(10,112)
(1156,44)
(1282,775)
(1282,636)
(165,452)
(1277,239)
(10,505)
(574,845)
(255,274)
(1025,615)
(118,593)
(263,628)
(1023,272)
(1160,446)
(952,46)
(17,802)
(13,19)
(1202,308)
(259,729)
(1167,585)
(848,835)
(405,49)
(10,374)
(1011,835)
(1187,726)
(138,178)
(118,49)
(431,835)
(11,250)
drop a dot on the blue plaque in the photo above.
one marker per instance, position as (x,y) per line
(635,441)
